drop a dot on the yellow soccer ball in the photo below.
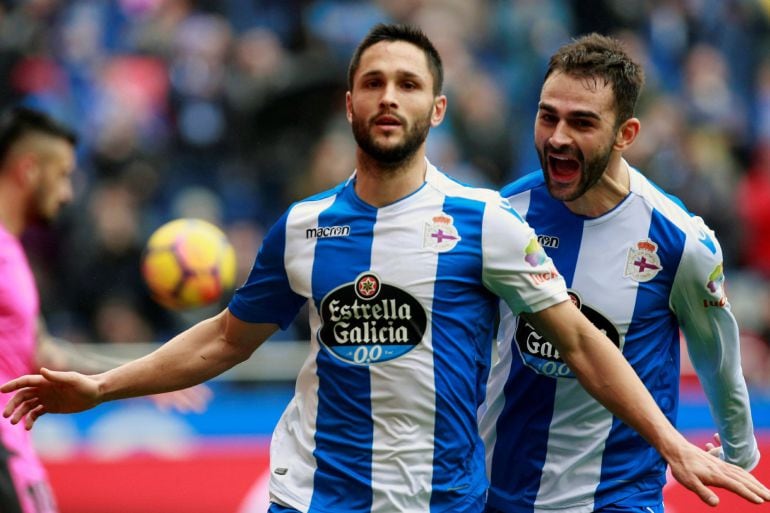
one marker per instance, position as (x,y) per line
(188,263)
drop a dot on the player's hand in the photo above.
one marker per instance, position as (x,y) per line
(49,392)
(194,399)
(697,469)
(715,449)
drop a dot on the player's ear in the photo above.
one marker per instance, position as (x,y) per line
(439,109)
(349,106)
(626,134)
(24,167)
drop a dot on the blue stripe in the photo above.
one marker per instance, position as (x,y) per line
(550,217)
(462,331)
(525,183)
(343,477)
(267,296)
(652,348)
(524,424)
(527,415)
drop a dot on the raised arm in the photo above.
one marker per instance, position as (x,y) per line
(606,375)
(192,357)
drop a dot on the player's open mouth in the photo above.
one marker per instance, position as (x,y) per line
(563,168)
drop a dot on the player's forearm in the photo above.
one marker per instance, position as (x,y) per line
(192,357)
(729,402)
(713,344)
(606,375)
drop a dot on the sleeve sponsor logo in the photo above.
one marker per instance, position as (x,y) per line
(717,303)
(366,321)
(540,355)
(540,278)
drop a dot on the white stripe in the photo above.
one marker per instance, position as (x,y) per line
(403,401)
(300,251)
(580,425)
(292,448)
(494,402)
(520,202)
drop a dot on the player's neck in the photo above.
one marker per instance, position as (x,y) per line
(612,188)
(380,185)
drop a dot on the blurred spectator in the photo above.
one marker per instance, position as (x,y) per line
(752,201)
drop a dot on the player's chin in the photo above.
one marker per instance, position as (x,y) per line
(563,191)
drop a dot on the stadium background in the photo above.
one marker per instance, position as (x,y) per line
(229,110)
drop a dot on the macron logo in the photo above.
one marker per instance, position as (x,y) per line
(322,232)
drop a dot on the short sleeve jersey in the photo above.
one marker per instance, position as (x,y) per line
(403,301)
(640,272)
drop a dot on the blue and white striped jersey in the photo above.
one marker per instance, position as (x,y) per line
(403,301)
(639,273)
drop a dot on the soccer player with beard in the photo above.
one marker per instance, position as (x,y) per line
(403,269)
(37,159)
(640,267)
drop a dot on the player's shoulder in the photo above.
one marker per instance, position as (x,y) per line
(674,211)
(667,205)
(497,210)
(523,184)
(452,187)
(314,204)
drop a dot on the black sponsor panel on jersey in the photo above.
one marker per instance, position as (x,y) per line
(367,321)
(541,355)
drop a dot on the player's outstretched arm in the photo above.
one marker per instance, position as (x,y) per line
(192,357)
(605,374)
(55,353)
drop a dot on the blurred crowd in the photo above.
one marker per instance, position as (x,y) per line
(230,110)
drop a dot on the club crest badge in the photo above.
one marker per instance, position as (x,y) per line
(440,234)
(643,262)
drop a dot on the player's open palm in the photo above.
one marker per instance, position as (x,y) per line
(697,470)
(49,392)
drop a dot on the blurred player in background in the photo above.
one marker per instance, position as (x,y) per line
(403,268)
(37,159)
(639,266)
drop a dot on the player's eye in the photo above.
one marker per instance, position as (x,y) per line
(547,117)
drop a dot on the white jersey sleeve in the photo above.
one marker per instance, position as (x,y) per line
(713,343)
(516,267)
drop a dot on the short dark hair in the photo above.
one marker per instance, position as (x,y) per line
(17,122)
(602,57)
(399,32)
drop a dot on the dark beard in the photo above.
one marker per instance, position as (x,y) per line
(393,155)
(592,171)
